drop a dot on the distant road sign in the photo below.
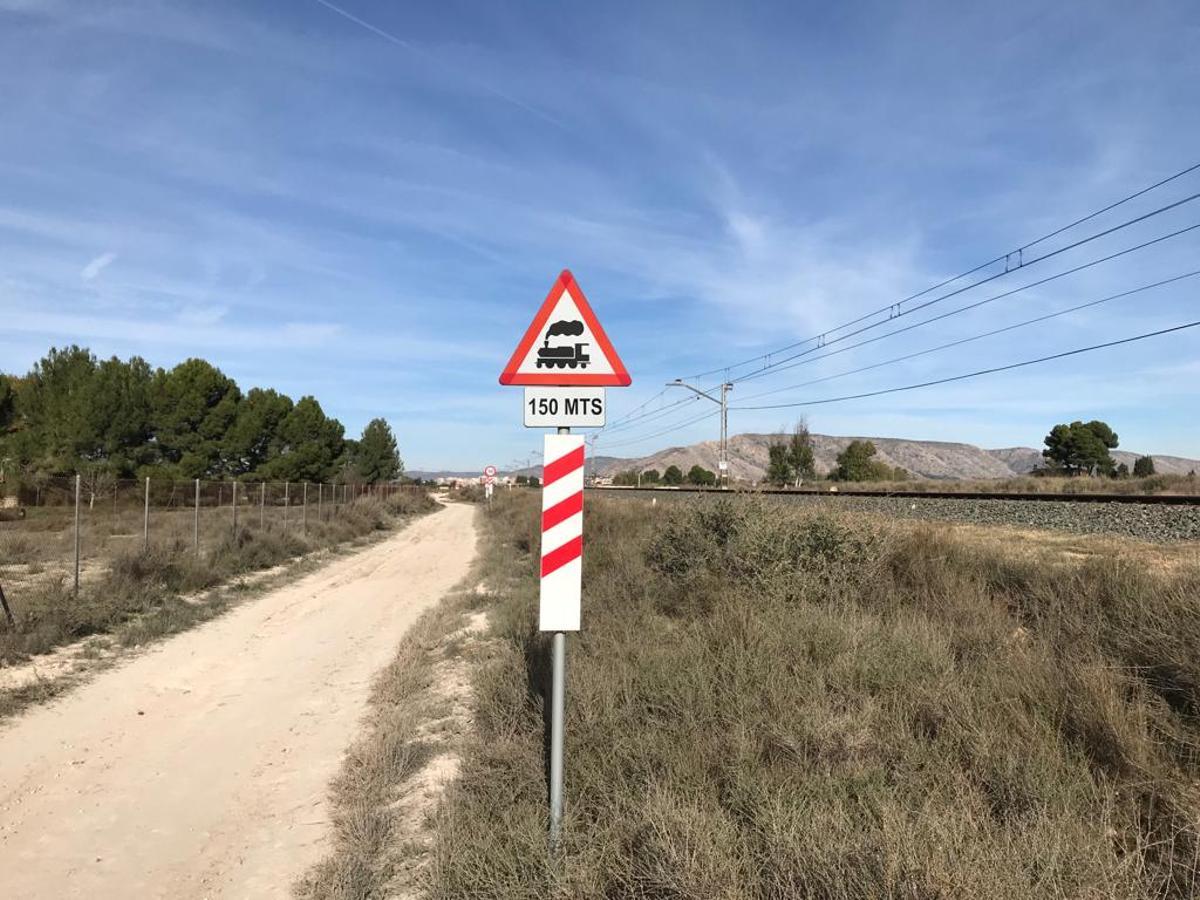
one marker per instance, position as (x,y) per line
(489,471)
(564,407)
(565,344)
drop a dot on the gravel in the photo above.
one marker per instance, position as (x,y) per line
(1136,520)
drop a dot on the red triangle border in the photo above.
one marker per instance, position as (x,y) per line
(566,281)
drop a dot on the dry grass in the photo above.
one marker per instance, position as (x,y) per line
(142,593)
(769,702)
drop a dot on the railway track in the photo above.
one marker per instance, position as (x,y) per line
(1143,499)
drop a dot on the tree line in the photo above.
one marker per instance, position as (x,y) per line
(1078,448)
(74,413)
(672,475)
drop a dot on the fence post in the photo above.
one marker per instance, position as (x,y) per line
(8,616)
(235,487)
(286,502)
(262,505)
(146,519)
(196,521)
(77,487)
(305,506)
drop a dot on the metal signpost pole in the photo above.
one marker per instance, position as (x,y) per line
(196,520)
(287,485)
(558,707)
(146,519)
(262,505)
(77,487)
(235,487)
(305,514)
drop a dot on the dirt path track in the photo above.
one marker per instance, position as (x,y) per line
(200,768)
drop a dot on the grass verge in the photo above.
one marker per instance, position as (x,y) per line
(771,702)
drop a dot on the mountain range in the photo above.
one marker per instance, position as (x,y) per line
(939,460)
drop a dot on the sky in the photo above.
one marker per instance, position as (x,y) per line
(367,201)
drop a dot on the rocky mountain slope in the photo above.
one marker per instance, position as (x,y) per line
(922,459)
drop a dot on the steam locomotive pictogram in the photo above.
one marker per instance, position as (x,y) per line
(565,356)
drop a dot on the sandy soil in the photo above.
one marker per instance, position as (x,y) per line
(200,768)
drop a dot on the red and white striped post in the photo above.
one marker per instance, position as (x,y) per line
(562,581)
(562,532)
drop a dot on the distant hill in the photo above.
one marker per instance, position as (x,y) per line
(938,460)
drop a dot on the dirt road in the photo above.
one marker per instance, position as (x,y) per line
(200,768)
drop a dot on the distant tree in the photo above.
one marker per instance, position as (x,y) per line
(8,401)
(1081,448)
(122,425)
(54,407)
(534,481)
(801,455)
(699,475)
(898,474)
(1143,467)
(1122,471)
(627,478)
(650,476)
(521,480)
(312,446)
(376,457)
(856,462)
(673,475)
(255,436)
(780,471)
(193,407)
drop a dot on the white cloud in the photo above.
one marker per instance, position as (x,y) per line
(97,265)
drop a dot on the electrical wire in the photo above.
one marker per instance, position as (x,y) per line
(1005,258)
(975,374)
(801,359)
(821,339)
(789,363)
(646,437)
(976,337)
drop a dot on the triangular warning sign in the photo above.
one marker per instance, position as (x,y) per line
(565,345)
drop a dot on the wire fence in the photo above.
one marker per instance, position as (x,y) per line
(64,527)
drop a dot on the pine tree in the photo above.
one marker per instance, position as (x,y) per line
(376,457)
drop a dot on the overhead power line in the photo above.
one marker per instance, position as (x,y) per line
(648,417)
(1005,258)
(789,363)
(646,437)
(977,373)
(822,339)
(976,337)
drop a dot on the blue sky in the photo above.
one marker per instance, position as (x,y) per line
(373,218)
